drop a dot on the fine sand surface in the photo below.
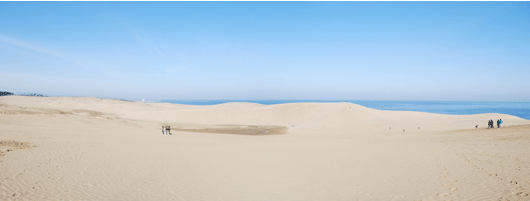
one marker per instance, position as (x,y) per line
(65,148)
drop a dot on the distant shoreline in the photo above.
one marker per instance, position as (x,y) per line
(518,109)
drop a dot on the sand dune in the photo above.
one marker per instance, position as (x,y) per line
(103,149)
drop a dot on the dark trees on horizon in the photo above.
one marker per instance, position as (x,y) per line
(6,93)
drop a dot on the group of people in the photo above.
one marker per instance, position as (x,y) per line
(168,130)
(490,123)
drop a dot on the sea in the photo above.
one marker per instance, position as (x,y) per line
(519,109)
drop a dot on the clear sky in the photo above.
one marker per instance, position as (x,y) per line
(267,50)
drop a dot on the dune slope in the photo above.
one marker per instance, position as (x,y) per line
(101,149)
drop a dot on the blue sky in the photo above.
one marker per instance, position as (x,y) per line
(267,50)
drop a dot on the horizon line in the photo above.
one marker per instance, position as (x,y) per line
(243,100)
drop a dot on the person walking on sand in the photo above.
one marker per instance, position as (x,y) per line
(489,123)
(501,123)
(163,128)
(168,130)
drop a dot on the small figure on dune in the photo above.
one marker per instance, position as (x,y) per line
(168,130)
(501,123)
(403,130)
(163,128)
(476,126)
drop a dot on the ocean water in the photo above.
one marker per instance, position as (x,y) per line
(519,109)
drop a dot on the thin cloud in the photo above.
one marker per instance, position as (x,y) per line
(30,46)
(39,48)
(147,44)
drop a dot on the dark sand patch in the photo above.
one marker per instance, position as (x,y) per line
(14,110)
(10,145)
(236,129)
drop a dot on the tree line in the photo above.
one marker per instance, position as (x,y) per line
(7,93)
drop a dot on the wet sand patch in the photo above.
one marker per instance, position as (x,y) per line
(236,129)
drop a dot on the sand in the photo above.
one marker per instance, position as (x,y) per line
(64,148)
